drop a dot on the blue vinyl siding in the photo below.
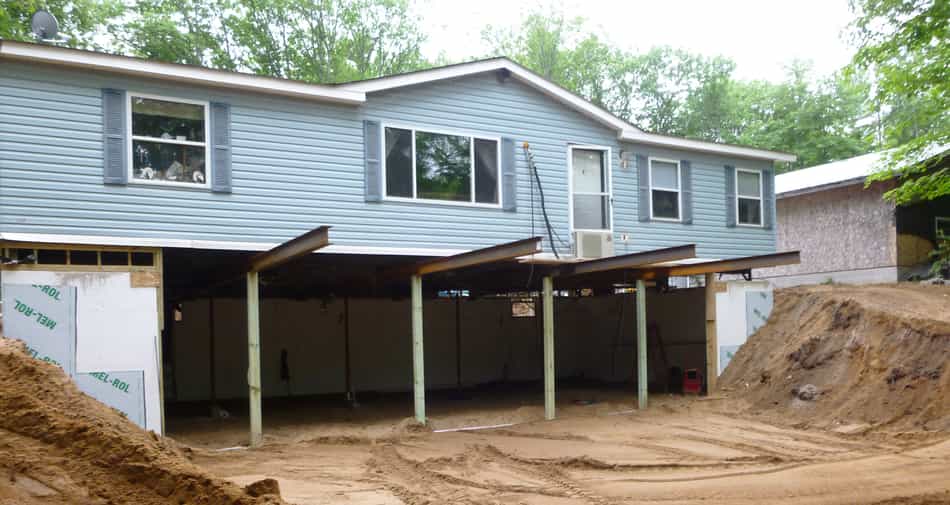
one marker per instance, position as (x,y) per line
(299,164)
(708,231)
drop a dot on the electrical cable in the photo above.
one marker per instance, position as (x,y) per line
(544,212)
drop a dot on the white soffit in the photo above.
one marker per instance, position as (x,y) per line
(176,72)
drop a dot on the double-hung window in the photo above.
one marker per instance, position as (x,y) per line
(168,141)
(749,197)
(665,189)
(590,188)
(443,167)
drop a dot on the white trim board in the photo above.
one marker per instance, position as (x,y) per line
(625,130)
(76,58)
(216,244)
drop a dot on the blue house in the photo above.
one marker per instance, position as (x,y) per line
(161,173)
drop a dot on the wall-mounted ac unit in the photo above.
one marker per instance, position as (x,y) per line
(593,244)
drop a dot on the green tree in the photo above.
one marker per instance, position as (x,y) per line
(81,22)
(179,31)
(817,119)
(676,92)
(905,45)
(325,41)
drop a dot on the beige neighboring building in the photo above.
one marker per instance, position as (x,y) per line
(848,233)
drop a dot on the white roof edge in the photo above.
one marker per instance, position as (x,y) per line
(96,240)
(625,130)
(476,67)
(821,187)
(709,147)
(177,72)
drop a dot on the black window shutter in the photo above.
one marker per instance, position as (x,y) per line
(686,174)
(643,181)
(372,169)
(115,167)
(768,199)
(730,175)
(220,147)
(509,176)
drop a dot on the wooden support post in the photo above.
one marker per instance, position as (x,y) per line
(254,357)
(211,361)
(641,345)
(348,373)
(712,339)
(547,306)
(418,350)
(458,341)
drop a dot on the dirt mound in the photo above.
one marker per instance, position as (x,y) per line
(850,358)
(58,445)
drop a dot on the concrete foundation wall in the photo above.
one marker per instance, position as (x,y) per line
(495,345)
(837,230)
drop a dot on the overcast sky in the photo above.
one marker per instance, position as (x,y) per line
(760,36)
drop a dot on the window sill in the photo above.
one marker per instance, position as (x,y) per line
(440,203)
(749,225)
(169,185)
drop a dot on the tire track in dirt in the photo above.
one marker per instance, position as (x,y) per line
(672,452)
(545,471)
(419,483)
(744,447)
(797,436)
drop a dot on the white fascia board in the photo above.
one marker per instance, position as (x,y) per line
(465,69)
(94,240)
(75,58)
(625,131)
(709,147)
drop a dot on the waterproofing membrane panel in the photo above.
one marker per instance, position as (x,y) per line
(45,318)
(758,307)
(123,391)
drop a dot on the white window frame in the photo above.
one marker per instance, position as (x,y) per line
(761,198)
(570,186)
(206,144)
(678,190)
(415,199)
(937,221)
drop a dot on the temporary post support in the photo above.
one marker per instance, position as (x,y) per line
(712,339)
(458,341)
(348,373)
(418,350)
(211,355)
(641,344)
(254,357)
(547,307)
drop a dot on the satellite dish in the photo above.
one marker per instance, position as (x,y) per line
(44,26)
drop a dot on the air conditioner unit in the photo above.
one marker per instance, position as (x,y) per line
(593,244)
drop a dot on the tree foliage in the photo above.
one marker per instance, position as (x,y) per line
(81,22)
(905,45)
(675,92)
(324,41)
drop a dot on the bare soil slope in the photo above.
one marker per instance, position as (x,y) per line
(877,356)
(58,445)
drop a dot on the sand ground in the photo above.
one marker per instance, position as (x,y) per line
(679,451)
